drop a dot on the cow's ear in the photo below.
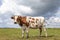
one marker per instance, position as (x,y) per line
(12,17)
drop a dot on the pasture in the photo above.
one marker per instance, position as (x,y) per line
(15,34)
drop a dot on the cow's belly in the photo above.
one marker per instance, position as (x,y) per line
(34,26)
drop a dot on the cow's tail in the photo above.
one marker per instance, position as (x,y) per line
(45,22)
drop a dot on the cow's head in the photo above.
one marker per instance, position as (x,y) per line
(15,18)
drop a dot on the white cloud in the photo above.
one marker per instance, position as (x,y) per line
(54,19)
(25,9)
(10,5)
(57,19)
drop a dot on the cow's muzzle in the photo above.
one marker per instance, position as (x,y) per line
(15,22)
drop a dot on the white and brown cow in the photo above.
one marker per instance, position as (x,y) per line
(27,22)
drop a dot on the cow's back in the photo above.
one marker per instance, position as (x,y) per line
(35,21)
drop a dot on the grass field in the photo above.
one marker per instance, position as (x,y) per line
(15,34)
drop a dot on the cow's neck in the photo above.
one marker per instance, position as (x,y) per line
(22,21)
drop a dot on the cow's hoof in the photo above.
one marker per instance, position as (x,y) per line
(22,37)
(27,37)
(45,36)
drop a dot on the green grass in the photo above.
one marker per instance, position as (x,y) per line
(15,34)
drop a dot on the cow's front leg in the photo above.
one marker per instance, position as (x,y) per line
(27,32)
(40,31)
(23,30)
(22,33)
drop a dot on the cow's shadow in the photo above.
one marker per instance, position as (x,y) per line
(39,37)
(42,36)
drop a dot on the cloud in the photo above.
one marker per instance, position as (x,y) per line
(6,6)
(57,19)
(53,22)
(10,5)
(57,14)
(23,10)
(47,8)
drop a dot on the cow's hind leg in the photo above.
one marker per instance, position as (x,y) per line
(45,31)
(40,31)
(44,28)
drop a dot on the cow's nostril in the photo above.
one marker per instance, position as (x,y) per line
(15,22)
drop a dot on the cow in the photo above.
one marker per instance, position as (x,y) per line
(27,22)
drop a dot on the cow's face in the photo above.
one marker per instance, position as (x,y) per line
(15,19)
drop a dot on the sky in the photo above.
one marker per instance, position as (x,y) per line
(50,9)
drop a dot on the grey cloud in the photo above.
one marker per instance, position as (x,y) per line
(41,7)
